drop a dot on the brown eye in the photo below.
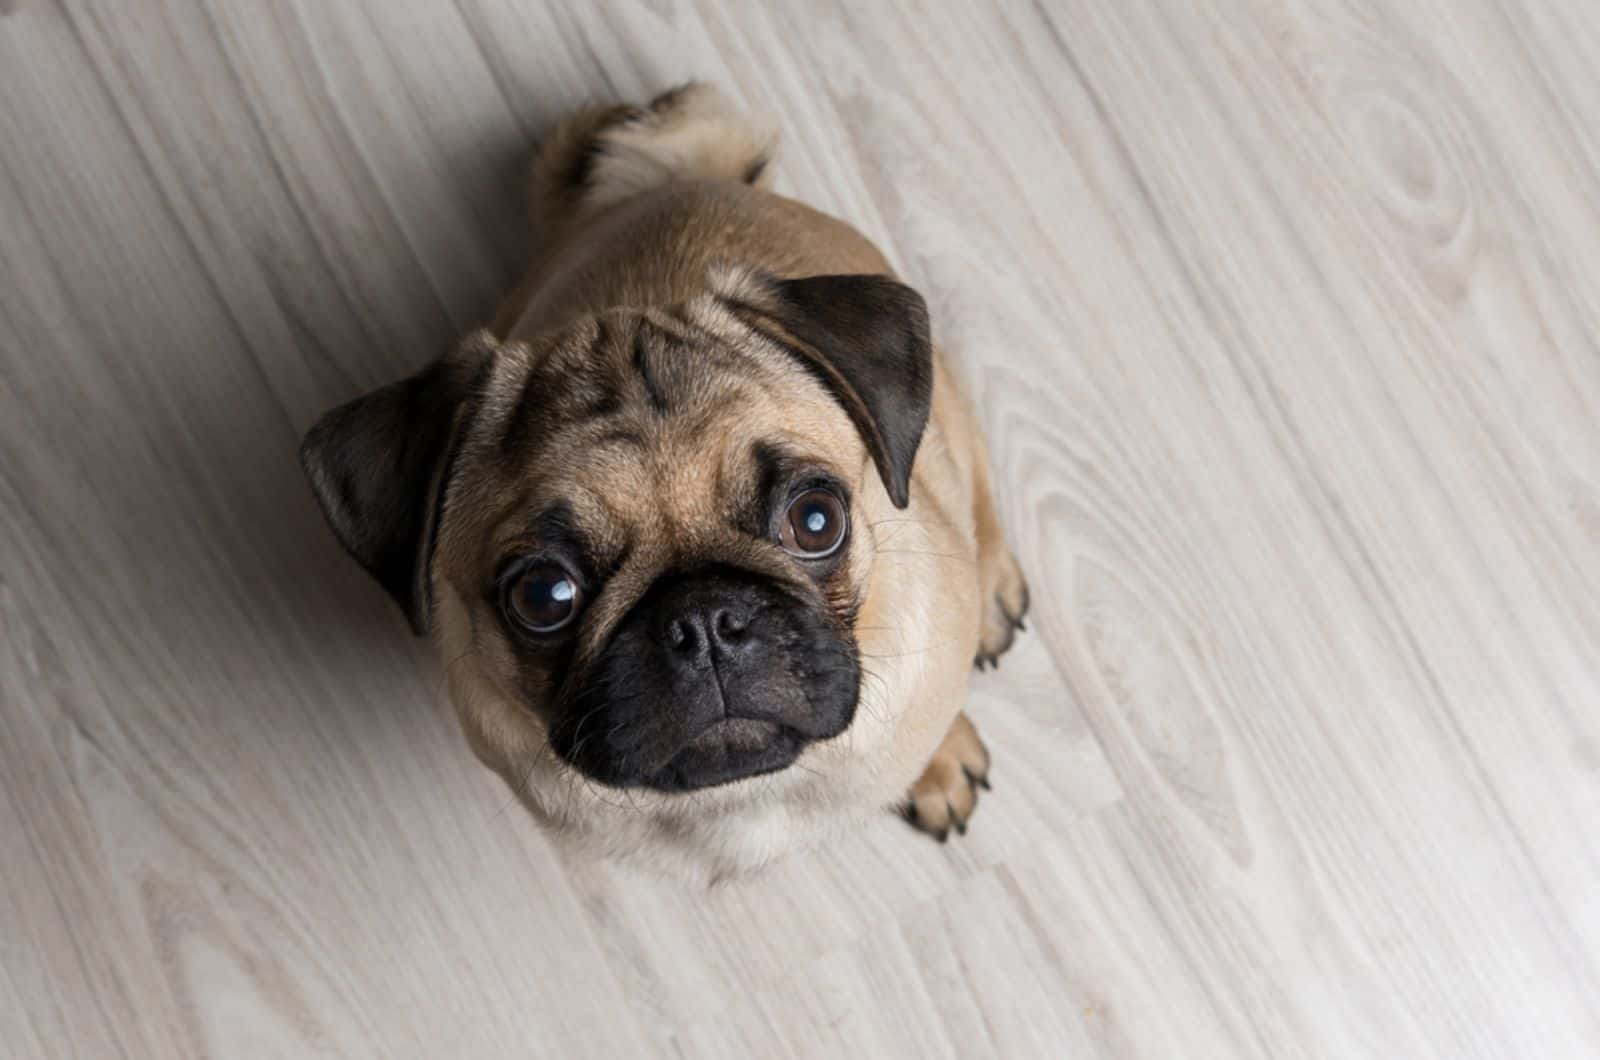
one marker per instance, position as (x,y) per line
(544,598)
(814,525)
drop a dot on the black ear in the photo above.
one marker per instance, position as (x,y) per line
(379,465)
(866,338)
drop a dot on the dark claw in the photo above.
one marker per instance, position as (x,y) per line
(961,826)
(944,836)
(983,782)
(909,812)
(1015,620)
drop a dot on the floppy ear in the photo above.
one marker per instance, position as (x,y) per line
(866,338)
(380,463)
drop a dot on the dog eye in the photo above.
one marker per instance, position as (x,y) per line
(813,526)
(544,598)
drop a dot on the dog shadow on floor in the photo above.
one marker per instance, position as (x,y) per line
(271,586)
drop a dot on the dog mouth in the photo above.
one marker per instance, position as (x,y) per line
(729,749)
(711,677)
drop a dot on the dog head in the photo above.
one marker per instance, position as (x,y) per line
(639,539)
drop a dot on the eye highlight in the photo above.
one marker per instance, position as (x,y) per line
(814,525)
(543,598)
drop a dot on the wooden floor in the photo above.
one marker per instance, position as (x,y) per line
(1283,318)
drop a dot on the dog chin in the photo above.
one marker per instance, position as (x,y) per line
(698,837)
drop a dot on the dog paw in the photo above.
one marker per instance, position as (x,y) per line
(946,794)
(1005,596)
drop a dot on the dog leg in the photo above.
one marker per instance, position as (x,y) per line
(946,794)
(1001,587)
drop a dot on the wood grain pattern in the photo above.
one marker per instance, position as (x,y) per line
(1280,317)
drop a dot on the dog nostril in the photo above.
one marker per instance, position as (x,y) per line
(679,636)
(731,626)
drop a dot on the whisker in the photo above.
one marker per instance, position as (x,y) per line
(907,519)
(935,555)
(883,686)
(905,654)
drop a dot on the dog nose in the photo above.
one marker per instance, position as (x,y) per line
(702,630)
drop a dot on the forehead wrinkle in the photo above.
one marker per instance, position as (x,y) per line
(687,332)
(645,372)
(642,475)
(536,487)
(742,361)
(573,378)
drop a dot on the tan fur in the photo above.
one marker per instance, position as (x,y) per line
(690,133)
(664,225)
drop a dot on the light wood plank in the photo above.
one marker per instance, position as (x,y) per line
(1278,315)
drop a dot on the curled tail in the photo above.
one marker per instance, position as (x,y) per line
(604,155)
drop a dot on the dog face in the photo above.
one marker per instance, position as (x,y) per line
(640,537)
(657,528)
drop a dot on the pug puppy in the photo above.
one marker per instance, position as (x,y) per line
(701,525)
